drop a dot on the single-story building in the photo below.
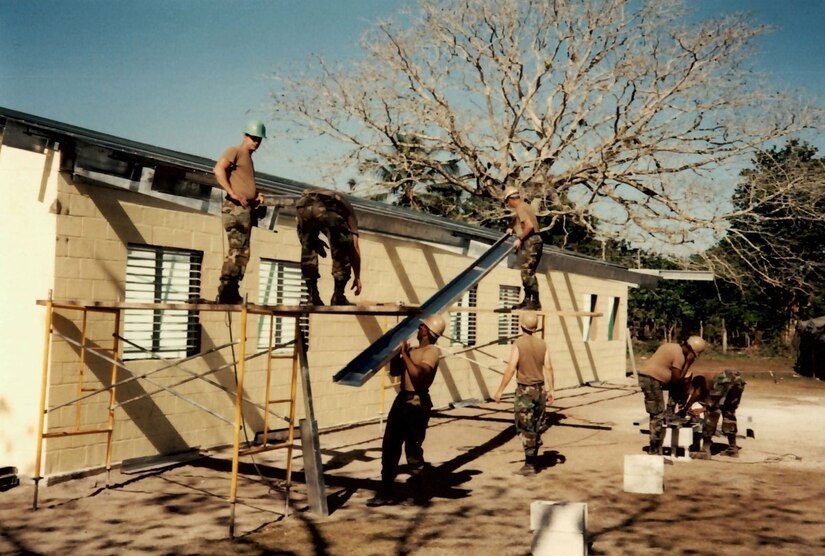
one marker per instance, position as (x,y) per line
(92,218)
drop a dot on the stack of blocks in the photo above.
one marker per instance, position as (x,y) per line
(679,439)
(558,528)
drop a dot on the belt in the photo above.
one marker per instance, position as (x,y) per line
(251,203)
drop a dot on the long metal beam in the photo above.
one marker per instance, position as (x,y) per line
(369,361)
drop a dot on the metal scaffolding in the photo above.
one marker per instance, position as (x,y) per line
(111,355)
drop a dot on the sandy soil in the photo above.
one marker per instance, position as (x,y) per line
(771,500)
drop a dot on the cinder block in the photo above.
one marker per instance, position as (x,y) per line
(679,440)
(644,474)
(558,527)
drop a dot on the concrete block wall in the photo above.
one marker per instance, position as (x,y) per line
(94,227)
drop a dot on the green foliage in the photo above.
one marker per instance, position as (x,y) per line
(774,256)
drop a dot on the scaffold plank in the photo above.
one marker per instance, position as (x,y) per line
(372,309)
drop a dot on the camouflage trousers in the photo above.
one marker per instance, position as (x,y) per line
(655,407)
(529,409)
(723,399)
(314,219)
(529,258)
(407,428)
(237,222)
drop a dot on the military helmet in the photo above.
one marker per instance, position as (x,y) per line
(697,344)
(510,192)
(435,324)
(255,128)
(529,321)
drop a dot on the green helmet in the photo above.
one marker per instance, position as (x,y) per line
(255,128)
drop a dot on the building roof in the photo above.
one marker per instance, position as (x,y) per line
(138,166)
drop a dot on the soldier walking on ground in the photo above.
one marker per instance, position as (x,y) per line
(328,212)
(719,393)
(410,412)
(241,210)
(530,362)
(529,244)
(667,369)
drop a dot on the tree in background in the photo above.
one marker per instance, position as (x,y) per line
(775,246)
(617,116)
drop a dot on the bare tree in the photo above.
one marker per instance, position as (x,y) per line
(619,114)
(776,233)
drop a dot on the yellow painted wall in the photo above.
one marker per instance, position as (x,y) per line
(27,244)
(96,224)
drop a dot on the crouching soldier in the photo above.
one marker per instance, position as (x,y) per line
(328,212)
(719,393)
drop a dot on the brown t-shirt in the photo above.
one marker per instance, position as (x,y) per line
(531,352)
(665,363)
(422,355)
(524,214)
(241,172)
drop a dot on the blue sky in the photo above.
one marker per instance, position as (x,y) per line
(187,74)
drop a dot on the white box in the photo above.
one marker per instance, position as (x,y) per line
(644,474)
(558,528)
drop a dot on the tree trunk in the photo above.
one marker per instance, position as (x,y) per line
(724,337)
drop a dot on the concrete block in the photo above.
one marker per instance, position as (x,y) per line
(678,441)
(644,474)
(558,528)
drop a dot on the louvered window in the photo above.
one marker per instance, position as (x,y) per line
(507,324)
(161,275)
(463,324)
(280,284)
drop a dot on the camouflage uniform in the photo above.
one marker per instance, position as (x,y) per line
(655,407)
(531,252)
(529,409)
(318,213)
(238,222)
(723,399)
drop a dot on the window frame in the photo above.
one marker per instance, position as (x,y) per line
(289,289)
(463,324)
(152,277)
(589,303)
(507,297)
(613,318)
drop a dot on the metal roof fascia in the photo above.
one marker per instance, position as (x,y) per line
(273,184)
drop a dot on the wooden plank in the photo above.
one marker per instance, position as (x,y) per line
(373,309)
(505,311)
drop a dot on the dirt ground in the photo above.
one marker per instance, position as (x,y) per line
(771,500)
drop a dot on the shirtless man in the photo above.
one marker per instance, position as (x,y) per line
(665,370)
